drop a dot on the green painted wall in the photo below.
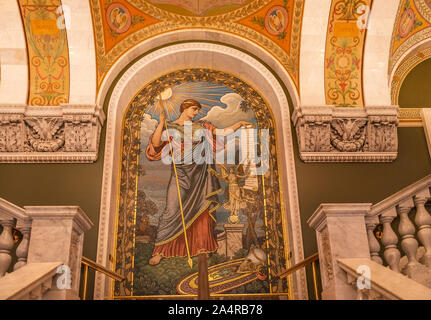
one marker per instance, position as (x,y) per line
(80,184)
(415,91)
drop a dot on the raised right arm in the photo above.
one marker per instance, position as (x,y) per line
(157,135)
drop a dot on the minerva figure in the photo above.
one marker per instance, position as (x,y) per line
(198,187)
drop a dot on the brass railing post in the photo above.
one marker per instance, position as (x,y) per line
(312,259)
(87,263)
(316,291)
(84,294)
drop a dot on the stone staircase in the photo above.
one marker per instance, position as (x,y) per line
(401,256)
(48,255)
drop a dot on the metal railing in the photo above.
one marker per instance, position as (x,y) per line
(87,263)
(312,259)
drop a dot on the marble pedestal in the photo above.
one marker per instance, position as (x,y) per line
(341,233)
(230,241)
(58,236)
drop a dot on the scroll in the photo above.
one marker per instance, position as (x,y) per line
(249,145)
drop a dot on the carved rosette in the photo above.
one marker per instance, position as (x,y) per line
(65,134)
(329,134)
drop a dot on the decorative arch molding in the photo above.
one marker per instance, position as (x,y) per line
(414,48)
(404,68)
(414,51)
(193,35)
(412,29)
(184,56)
(409,117)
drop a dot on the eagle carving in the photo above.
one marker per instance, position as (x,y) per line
(45,135)
(348,135)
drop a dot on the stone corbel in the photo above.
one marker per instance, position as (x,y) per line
(332,134)
(64,134)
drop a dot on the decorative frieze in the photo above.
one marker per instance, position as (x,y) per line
(329,134)
(68,133)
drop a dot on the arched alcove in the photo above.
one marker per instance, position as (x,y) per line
(415,89)
(208,56)
(414,97)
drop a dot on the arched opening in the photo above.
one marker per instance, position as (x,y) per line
(204,56)
(414,97)
(231,207)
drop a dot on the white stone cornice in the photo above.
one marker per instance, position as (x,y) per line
(68,133)
(326,210)
(72,213)
(334,134)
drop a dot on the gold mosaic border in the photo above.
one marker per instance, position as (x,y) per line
(410,116)
(123,257)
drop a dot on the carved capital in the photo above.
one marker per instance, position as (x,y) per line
(68,133)
(330,134)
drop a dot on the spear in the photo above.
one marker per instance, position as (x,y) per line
(189,260)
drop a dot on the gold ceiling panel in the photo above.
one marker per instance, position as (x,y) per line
(273,24)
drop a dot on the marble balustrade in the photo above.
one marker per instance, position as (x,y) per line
(50,235)
(348,231)
(12,216)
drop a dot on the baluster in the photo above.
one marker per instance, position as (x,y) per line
(423,222)
(22,250)
(390,240)
(371,223)
(407,232)
(6,244)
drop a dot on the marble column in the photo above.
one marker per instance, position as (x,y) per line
(57,235)
(341,233)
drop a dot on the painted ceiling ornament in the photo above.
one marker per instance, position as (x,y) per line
(155,17)
(407,23)
(276,20)
(48,53)
(344,52)
(118,18)
(198,7)
(424,8)
(408,31)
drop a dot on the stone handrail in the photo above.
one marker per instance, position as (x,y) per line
(53,234)
(30,282)
(10,210)
(382,283)
(400,196)
(348,231)
(406,213)
(12,216)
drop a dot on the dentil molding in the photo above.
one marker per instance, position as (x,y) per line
(63,134)
(332,134)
